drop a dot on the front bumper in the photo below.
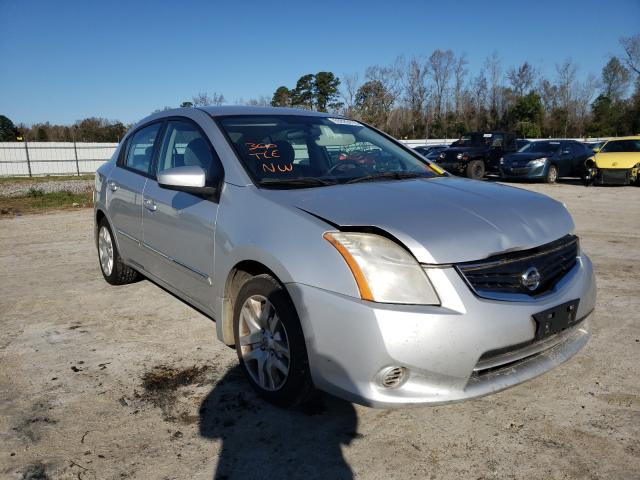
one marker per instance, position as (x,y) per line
(526,172)
(349,341)
(456,168)
(611,176)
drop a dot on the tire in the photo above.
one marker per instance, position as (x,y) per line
(114,271)
(552,174)
(265,326)
(475,169)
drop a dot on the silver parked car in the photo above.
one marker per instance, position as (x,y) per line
(334,257)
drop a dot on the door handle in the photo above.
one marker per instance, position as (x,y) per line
(150,205)
(113,186)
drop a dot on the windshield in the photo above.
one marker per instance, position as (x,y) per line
(290,151)
(540,147)
(621,146)
(473,139)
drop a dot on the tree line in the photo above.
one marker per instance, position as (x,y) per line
(435,96)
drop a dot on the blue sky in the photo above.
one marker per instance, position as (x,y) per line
(65,60)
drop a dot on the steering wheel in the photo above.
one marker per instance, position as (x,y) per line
(343,163)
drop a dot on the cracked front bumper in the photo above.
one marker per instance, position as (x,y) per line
(349,341)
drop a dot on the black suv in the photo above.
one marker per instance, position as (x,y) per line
(476,153)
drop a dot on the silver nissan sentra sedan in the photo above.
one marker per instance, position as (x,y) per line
(333,257)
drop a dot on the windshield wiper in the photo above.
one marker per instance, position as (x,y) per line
(388,175)
(299,182)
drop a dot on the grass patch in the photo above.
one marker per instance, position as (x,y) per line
(36,200)
(48,178)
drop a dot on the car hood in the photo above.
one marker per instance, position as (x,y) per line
(440,220)
(524,157)
(624,160)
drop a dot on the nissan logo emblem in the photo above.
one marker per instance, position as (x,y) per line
(530,279)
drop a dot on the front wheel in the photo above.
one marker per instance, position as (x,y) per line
(475,169)
(270,342)
(552,174)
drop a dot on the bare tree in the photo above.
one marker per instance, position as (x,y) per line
(521,78)
(203,99)
(566,90)
(350,85)
(585,93)
(479,89)
(389,76)
(440,66)
(631,47)
(615,79)
(493,65)
(416,93)
(459,74)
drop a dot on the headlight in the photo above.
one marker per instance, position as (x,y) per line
(384,271)
(538,162)
(459,156)
(501,160)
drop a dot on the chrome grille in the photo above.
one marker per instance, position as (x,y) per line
(503,273)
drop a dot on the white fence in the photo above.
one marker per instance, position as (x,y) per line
(52,158)
(68,158)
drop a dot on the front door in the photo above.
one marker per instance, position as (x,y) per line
(125,187)
(178,227)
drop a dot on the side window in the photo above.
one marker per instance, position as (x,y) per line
(140,151)
(183,146)
(497,141)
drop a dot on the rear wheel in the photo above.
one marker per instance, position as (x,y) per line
(552,174)
(270,342)
(113,269)
(475,169)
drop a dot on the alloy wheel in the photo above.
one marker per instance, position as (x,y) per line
(105,249)
(264,345)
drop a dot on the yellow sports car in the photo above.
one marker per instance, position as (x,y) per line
(616,163)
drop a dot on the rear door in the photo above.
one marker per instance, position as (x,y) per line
(178,227)
(125,187)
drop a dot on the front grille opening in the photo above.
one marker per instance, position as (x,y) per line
(503,366)
(503,273)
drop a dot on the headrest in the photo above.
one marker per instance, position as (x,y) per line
(197,153)
(285,152)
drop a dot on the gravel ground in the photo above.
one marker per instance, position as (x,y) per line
(19,189)
(128,382)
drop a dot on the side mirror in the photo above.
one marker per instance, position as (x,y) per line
(596,149)
(190,179)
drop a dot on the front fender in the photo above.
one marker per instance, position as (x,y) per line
(284,239)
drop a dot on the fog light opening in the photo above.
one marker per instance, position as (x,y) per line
(393,377)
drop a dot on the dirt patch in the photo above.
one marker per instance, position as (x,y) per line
(35,471)
(164,385)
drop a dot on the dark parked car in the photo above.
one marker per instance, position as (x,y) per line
(431,152)
(546,160)
(476,153)
(594,146)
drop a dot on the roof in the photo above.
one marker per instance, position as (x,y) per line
(235,110)
(246,110)
(631,137)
